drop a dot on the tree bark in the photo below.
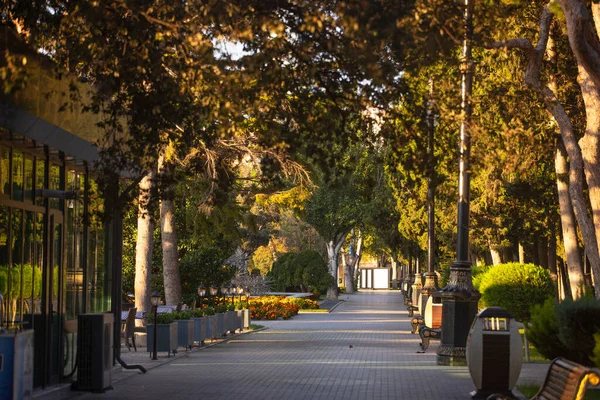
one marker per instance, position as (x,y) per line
(143,247)
(168,234)
(567,220)
(496,258)
(333,251)
(521,253)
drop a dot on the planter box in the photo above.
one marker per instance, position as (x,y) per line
(200,329)
(231,317)
(166,337)
(246,322)
(220,331)
(185,333)
(211,327)
(239,319)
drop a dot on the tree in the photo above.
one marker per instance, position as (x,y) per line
(583,41)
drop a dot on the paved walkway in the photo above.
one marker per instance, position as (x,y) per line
(363,349)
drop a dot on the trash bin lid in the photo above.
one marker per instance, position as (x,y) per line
(494,312)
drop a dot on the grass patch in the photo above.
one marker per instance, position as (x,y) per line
(309,310)
(534,354)
(254,327)
(530,389)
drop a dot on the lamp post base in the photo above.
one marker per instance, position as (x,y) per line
(459,308)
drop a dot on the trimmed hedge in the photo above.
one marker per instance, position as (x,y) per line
(516,288)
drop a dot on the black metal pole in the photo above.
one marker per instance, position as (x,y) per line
(464,150)
(155,342)
(459,298)
(431,284)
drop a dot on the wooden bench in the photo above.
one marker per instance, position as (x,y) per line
(432,324)
(565,380)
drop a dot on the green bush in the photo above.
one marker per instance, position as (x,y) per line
(596,354)
(164,318)
(182,315)
(567,329)
(304,271)
(578,321)
(203,266)
(542,331)
(516,288)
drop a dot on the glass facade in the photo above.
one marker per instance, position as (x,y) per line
(52,264)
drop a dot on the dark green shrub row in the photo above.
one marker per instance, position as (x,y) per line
(567,329)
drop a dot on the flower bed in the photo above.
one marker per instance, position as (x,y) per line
(273,307)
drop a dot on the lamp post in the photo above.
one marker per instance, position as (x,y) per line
(213,292)
(155,300)
(459,298)
(232,292)
(201,292)
(240,291)
(431,284)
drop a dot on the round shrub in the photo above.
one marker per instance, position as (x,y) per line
(516,288)
(578,321)
(304,271)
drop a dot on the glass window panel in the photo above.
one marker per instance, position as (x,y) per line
(15,283)
(55,183)
(56,264)
(17,175)
(40,180)
(4,170)
(4,255)
(28,179)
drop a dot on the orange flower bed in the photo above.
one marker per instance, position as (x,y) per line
(272,307)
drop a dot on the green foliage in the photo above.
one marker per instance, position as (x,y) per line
(15,281)
(163,318)
(304,271)
(596,355)
(542,331)
(567,329)
(516,288)
(203,266)
(477,273)
(578,321)
(182,315)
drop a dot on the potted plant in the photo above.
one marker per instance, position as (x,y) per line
(200,319)
(231,316)
(221,329)
(211,323)
(185,328)
(166,337)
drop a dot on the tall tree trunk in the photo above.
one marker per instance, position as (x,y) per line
(552,250)
(521,253)
(333,251)
(496,258)
(143,247)
(351,268)
(567,220)
(542,248)
(168,235)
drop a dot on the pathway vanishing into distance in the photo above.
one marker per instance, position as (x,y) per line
(363,349)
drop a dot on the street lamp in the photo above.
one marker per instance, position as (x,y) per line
(213,292)
(155,300)
(459,298)
(201,292)
(233,289)
(240,291)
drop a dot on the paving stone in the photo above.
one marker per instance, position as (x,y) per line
(363,349)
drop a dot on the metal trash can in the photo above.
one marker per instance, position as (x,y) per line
(494,353)
(16,365)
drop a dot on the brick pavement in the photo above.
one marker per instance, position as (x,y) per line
(361,350)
